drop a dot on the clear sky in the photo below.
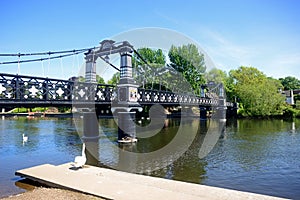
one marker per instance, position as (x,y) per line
(261,33)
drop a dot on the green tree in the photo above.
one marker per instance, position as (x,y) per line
(99,79)
(290,83)
(215,75)
(257,94)
(147,74)
(114,79)
(151,56)
(188,61)
(219,76)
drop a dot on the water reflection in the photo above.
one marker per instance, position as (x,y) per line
(257,156)
(251,155)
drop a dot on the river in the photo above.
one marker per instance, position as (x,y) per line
(261,156)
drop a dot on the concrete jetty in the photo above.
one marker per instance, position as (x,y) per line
(112,184)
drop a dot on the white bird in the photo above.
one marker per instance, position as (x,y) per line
(80,160)
(25,138)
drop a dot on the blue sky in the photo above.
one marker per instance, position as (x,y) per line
(259,33)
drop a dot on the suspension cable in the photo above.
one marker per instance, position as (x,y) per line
(45,53)
(137,53)
(19,69)
(41,59)
(109,63)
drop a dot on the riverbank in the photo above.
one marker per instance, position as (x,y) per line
(42,193)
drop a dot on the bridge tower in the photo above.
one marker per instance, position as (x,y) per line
(126,104)
(127,91)
(221,108)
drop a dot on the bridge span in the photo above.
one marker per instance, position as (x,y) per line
(29,91)
(124,98)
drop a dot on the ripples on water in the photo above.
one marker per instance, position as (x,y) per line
(259,156)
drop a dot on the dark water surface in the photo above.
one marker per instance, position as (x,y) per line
(261,156)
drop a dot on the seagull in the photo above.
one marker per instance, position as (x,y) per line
(80,160)
(25,138)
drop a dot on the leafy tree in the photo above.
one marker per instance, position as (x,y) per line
(230,89)
(99,79)
(114,79)
(219,76)
(215,75)
(149,55)
(188,61)
(257,94)
(148,74)
(290,83)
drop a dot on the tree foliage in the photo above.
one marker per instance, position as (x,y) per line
(150,55)
(148,74)
(114,79)
(215,75)
(188,61)
(290,83)
(99,79)
(257,94)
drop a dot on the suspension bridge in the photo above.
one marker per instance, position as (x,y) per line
(125,98)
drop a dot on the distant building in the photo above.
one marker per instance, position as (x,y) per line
(290,96)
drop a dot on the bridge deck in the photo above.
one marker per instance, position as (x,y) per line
(112,184)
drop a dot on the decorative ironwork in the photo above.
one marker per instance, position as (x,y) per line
(27,89)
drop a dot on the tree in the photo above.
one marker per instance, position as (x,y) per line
(99,79)
(114,79)
(151,56)
(216,75)
(290,83)
(188,61)
(147,74)
(257,94)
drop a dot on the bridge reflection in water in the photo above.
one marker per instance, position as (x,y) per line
(259,156)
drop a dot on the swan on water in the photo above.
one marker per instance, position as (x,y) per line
(25,138)
(80,160)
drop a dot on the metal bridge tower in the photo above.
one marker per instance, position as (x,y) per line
(127,91)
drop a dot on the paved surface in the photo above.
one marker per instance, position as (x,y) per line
(112,184)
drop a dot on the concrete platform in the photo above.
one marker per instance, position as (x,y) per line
(112,184)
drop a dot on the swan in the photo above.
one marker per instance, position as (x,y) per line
(25,138)
(80,160)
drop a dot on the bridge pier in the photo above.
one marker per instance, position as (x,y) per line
(221,108)
(126,127)
(220,112)
(91,136)
(232,111)
(203,113)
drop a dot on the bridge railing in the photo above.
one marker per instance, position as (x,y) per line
(27,88)
(16,89)
(22,88)
(147,96)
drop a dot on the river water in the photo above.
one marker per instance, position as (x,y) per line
(261,156)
